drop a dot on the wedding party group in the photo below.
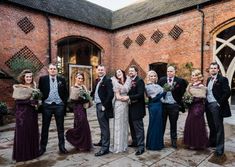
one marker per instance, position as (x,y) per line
(123,98)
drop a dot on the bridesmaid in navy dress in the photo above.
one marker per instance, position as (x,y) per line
(155,128)
(80,135)
(26,139)
(195,134)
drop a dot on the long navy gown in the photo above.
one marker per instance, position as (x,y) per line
(26,139)
(155,129)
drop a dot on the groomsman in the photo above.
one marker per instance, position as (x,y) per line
(136,110)
(173,102)
(55,95)
(217,107)
(103,95)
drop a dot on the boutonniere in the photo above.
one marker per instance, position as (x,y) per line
(133,83)
(59,83)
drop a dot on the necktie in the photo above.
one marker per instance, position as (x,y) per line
(170,79)
(53,79)
(212,78)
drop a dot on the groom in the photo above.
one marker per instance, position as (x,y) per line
(136,110)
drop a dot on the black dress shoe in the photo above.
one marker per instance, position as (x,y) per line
(101,152)
(41,152)
(139,152)
(174,144)
(63,150)
(132,145)
(97,144)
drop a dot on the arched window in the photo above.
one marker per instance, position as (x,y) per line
(224,52)
(74,51)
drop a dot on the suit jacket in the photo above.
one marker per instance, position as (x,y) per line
(137,100)
(180,86)
(106,94)
(44,86)
(221,91)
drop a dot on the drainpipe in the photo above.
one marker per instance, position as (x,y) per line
(49,38)
(202,36)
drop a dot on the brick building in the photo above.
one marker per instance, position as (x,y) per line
(150,34)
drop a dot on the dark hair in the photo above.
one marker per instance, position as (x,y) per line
(124,76)
(215,63)
(135,67)
(21,76)
(82,74)
(100,65)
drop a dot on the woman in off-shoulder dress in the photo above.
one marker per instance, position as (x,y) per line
(121,86)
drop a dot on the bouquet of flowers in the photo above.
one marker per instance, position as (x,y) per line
(84,95)
(187,99)
(36,94)
(3,108)
(168,87)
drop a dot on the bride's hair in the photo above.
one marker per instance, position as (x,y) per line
(124,76)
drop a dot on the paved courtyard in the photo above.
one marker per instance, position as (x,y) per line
(180,157)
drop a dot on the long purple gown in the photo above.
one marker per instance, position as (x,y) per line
(80,135)
(26,139)
(195,133)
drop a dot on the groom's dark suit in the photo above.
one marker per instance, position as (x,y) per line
(137,112)
(53,108)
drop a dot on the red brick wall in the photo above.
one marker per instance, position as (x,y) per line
(187,48)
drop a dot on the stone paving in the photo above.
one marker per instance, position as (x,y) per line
(180,157)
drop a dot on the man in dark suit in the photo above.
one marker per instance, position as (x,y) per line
(217,107)
(103,95)
(172,103)
(136,110)
(55,94)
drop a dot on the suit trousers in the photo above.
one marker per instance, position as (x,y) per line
(171,110)
(216,126)
(104,127)
(48,111)
(137,132)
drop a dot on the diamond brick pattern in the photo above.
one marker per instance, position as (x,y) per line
(127,42)
(157,36)
(140,39)
(25,25)
(175,32)
(23,59)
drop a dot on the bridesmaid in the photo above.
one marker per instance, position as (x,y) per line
(155,129)
(195,134)
(121,86)
(80,135)
(26,139)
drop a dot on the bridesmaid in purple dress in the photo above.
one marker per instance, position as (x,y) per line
(26,139)
(80,135)
(195,134)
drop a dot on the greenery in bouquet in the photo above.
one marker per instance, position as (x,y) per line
(187,99)
(36,95)
(84,95)
(168,87)
(3,108)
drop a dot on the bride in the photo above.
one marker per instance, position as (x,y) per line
(121,86)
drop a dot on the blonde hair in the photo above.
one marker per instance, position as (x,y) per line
(198,74)
(148,75)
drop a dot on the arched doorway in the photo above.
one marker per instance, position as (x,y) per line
(78,54)
(160,68)
(224,52)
